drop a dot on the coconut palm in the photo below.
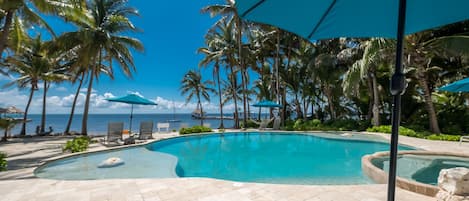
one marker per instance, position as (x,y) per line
(23,13)
(229,9)
(31,66)
(102,40)
(193,86)
(375,53)
(213,54)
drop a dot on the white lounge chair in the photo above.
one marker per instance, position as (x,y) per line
(114,133)
(146,130)
(161,126)
(264,123)
(463,139)
(277,122)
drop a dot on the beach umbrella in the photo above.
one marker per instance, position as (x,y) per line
(132,99)
(458,86)
(322,19)
(267,104)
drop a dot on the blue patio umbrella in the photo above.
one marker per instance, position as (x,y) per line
(132,99)
(322,19)
(458,86)
(267,104)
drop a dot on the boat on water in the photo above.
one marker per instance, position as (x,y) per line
(174,116)
(197,114)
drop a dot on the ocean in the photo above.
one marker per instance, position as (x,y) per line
(97,123)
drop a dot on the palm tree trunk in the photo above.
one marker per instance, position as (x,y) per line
(72,112)
(6,31)
(43,116)
(5,135)
(375,121)
(241,66)
(427,96)
(84,122)
(220,99)
(235,84)
(201,111)
(25,117)
(369,115)
(328,93)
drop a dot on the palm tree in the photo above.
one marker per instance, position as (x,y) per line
(31,67)
(213,54)
(374,54)
(193,86)
(229,9)
(17,13)
(101,40)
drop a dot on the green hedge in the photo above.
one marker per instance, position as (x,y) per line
(194,129)
(78,144)
(3,162)
(411,133)
(317,125)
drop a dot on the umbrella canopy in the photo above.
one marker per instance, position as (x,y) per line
(132,99)
(458,86)
(267,103)
(323,19)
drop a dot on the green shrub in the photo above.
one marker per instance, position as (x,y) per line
(3,162)
(443,137)
(78,144)
(250,124)
(315,123)
(388,129)
(194,129)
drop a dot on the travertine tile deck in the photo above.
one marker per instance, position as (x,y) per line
(20,184)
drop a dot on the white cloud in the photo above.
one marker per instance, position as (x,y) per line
(61,89)
(99,104)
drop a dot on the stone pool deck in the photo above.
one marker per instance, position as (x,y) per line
(25,154)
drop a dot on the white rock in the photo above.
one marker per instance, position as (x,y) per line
(455,181)
(111,162)
(445,196)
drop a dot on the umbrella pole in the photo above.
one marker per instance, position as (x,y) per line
(131,116)
(398,85)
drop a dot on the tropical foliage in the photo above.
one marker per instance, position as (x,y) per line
(344,82)
(100,42)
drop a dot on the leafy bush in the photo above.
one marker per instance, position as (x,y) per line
(78,144)
(250,124)
(194,129)
(314,123)
(443,137)
(299,125)
(388,129)
(3,162)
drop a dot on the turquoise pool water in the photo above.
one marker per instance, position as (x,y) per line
(247,157)
(422,168)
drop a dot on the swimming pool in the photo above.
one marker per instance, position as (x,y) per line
(288,158)
(422,168)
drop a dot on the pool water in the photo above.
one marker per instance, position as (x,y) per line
(247,157)
(422,168)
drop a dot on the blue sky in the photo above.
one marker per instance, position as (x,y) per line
(172,32)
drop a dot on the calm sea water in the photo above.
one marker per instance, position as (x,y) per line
(97,123)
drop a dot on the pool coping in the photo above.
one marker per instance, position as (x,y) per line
(380,176)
